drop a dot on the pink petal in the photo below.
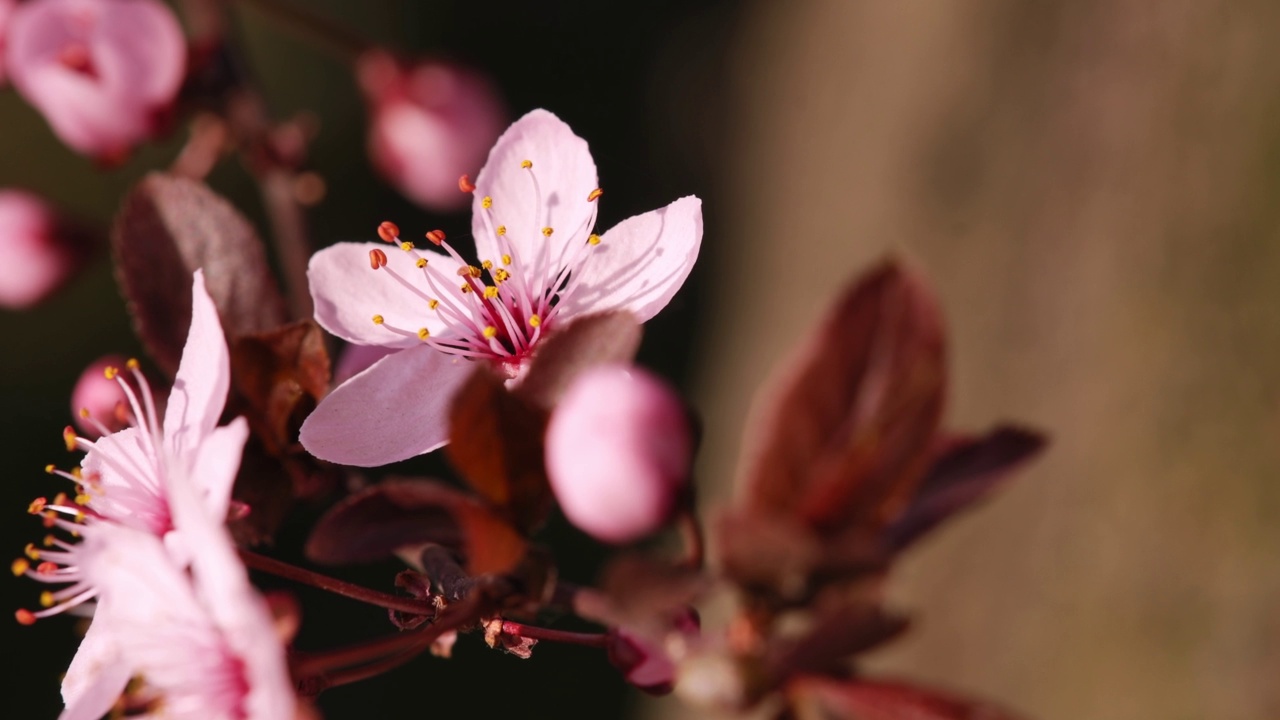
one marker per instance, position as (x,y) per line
(348,293)
(97,675)
(565,174)
(35,260)
(355,359)
(216,464)
(203,379)
(139,48)
(641,263)
(125,469)
(396,409)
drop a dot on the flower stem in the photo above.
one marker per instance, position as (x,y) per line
(596,640)
(334,585)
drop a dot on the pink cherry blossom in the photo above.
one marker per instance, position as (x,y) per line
(98,403)
(102,72)
(618,452)
(541,265)
(428,125)
(645,658)
(6,10)
(36,254)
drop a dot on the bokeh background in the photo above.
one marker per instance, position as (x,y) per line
(1091,185)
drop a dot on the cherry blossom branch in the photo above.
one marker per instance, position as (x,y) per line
(334,585)
(596,640)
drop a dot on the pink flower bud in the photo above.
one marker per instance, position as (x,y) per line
(6,10)
(97,402)
(618,452)
(37,253)
(103,73)
(644,661)
(429,125)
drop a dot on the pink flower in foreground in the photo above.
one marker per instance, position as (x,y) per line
(203,643)
(6,10)
(122,480)
(102,72)
(540,266)
(618,452)
(428,125)
(37,255)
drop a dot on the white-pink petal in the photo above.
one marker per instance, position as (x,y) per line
(348,292)
(204,376)
(96,677)
(640,263)
(565,175)
(396,409)
(215,465)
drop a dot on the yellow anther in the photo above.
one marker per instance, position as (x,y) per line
(502,230)
(79,518)
(594,194)
(37,506)
(487,264)
(526,164)
(50,468)
(546,231)
(490,331)
(132,363)
(69,437)
(406,246)
(76,473)
(31,551)
(486,202)
(110,372)
(490,292)
(422,262)
(48,540)
(464,289)
(593,239)
(506,259)
(20,567)
(83,499)
(46,599)
(378,319)
(432,303)
(423,333)
(84,413)
(534,321)
(501,276)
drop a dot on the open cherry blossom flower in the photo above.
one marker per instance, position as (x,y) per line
(102,72)
(541,265)
(122,478)
(203,643)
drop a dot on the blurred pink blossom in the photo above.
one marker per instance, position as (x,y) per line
(98,403)
(428,125)
(37,252)
(104,73)
(645,660)
(6,10)
(618,452)
(541,265)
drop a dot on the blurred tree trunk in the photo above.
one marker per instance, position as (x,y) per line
(1093,188)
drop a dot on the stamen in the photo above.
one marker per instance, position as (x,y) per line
(20,567)
(69,437)
(433,303)
(502,230)
(25,617)
(37,506)
(437,237)
(490,331)
(422,262)
(378,319)
(546,232)
(377,259)
(534,321)
(593,239)
(423,333)
(465,184)
(490,292)
(110,372)
(594,194)
(526,164)
(486,202)
(46,599)
(388,231)
(406,246)
(506,259)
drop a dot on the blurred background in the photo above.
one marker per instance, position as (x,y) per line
(1090,185)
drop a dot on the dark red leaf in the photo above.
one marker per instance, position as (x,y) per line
(966,472)
(279,376)
(844,438)
(169,227)
(405,512)
(608,337)
(821,698)
(496,444)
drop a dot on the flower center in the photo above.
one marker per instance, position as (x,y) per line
(496,310)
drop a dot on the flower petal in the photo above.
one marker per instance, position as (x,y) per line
(204,376)
(565,174)
(641,263)
(396,409)
(216,464)
(97,675)
(348,293)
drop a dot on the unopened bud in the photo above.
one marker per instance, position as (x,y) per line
(97,402)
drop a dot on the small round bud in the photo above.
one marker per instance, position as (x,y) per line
(38,253)
(618,452)
(103,399)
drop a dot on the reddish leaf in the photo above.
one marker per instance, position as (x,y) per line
(169,227)
(820,698)
(280,375)
(608,337)
(966,472)
(844,437)
(404,512)
(496,443)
